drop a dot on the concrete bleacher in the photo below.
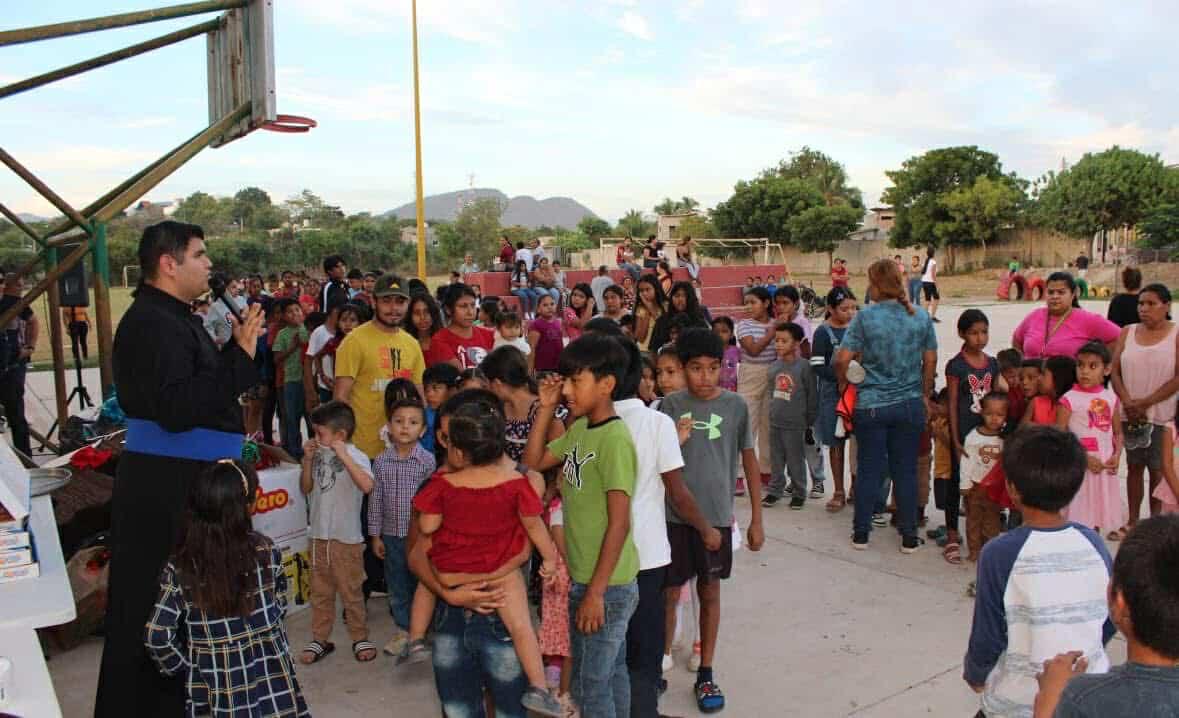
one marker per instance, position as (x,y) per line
(723,286)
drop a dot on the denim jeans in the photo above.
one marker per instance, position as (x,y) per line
(473,652)
(399,581)
(292,418)
(887,438)
(550,291)
(634,270)
(915,291)
(601,681)
(527,300)
(644,644)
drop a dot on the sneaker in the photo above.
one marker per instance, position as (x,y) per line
(817,491)
(694,661)
(789,490)
(396,644)
(415,651)
(796,503)
(740,490)
(709,697)
(770,500)
(668,662)
(910,544)
(936,533)
(542,702)
(880,520)
(860,540)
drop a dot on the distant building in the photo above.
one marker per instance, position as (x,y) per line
(667,226)
(146,209)
(409,235)
(877,223)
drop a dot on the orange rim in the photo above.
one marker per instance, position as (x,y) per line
(290,123)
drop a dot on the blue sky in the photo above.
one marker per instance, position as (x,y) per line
(616,103)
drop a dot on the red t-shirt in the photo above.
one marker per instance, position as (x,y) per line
(470,351)
(839,277)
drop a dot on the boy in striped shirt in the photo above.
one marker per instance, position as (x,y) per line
(1041,587)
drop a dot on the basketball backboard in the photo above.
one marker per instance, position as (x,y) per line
(241,68)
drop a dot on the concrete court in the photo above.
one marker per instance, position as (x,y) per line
(809,626)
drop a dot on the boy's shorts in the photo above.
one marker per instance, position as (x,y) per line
(689,558)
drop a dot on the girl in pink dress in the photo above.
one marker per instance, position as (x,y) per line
(1090,410)
(554,611)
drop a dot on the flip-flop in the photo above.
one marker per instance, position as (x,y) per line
(952,553)
(319,650)
(837,502)
(361,646)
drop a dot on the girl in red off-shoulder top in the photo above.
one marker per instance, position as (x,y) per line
(479,517)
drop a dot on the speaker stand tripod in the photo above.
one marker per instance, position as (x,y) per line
(79,390)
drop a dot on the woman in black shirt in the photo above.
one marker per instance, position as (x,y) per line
(1123,308)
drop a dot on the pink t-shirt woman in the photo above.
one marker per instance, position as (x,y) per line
(1040,335)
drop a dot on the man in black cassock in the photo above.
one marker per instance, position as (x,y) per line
(180,395)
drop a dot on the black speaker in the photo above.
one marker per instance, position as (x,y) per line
(72,285)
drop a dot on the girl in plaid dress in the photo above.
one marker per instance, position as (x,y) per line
(222,600)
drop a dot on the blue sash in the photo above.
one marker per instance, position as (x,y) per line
(148,437)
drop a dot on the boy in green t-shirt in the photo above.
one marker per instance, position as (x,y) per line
(597,481)
(288,351)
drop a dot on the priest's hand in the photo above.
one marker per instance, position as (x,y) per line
(251,327)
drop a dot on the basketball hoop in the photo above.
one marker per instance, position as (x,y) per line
(289,123)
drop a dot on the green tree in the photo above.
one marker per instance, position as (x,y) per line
(827,175)
(763,207)
(818,229)
(252,209)
(671,206)
(573,242)
(205,210)
(593,228)
(1110,189)
(922,183)
(1159,227)
(309,208)
(475,230)
(633,224)
(978,212)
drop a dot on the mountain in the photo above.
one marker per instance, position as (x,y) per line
(31,218)
(524,210)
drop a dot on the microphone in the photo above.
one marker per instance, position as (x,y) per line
(217,284)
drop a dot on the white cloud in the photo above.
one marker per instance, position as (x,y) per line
(635,24)
(484,22)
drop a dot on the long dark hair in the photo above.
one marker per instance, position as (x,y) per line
(660,297)
(217,554)
(586,292)
(507,364)
(435,316)
(353,309)
(692,306)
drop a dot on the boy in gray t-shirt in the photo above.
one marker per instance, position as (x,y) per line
(794,406)
(714,432)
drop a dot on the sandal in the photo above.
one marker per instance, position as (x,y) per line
(317,650)
(837,502)
(1119,534)
(709,697)
(952,553)
(362,646)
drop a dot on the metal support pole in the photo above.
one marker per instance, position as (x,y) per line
(109,58)
(43,189)
(417,141)
(51,277)
(60,394)
(20,224)
(76,27)
(102,310)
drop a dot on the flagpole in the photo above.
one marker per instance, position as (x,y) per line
(417,139)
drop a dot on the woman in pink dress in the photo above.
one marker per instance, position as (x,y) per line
(1061,328)
(1092,412)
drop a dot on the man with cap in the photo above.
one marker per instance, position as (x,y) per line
(371,356)
(180,394)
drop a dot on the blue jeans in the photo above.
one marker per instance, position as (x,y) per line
(601,681)
(915,291)
(473,652)
(292,417)
(399,581)
(887,438)
(528,299)
(549,291)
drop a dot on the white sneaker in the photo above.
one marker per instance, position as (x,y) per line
(668,662)
(694,661)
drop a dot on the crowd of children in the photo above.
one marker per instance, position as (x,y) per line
(616,469)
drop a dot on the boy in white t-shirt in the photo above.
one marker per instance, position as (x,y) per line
(659,479)
(981,451)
